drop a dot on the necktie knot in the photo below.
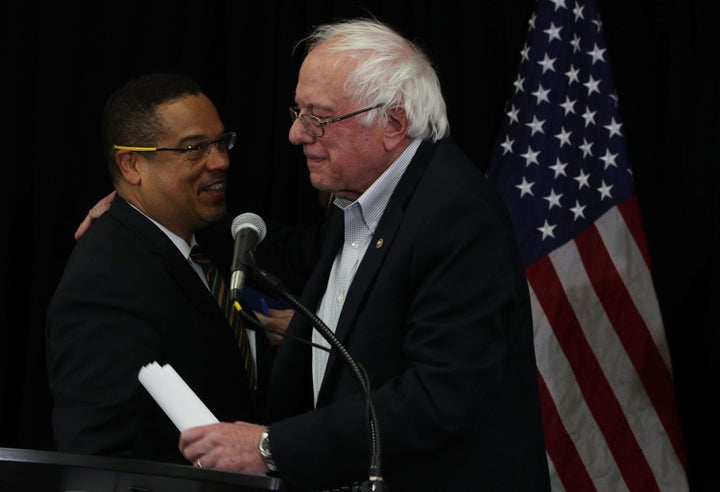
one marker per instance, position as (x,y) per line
(200,257)
(216,284)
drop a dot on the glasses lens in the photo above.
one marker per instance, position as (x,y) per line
(201,150)
(198,151)
(226,142)
(311,123)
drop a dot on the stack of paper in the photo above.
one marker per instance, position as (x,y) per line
(174,396)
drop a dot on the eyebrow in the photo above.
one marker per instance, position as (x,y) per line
(193,139)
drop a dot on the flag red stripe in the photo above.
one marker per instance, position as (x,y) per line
(632,332)
(568,464)
(630,211)
(590,378)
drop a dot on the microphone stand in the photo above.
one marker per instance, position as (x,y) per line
(375,481)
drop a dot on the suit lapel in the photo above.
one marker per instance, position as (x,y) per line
(178,266)
(378,248)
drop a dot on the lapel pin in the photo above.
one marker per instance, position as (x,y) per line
(379,243)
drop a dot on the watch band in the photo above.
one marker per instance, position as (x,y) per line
(264,448)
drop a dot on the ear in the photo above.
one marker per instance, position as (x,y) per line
(127,162)
(396,127)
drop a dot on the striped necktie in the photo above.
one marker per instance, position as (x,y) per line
(220,292)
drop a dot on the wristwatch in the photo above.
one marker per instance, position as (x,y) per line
(264,448)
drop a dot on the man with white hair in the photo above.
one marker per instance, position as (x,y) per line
(424,286)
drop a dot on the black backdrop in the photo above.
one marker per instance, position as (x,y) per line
(59,63)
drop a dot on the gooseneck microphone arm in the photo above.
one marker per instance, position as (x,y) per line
(273,284)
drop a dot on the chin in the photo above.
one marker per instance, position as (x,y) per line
(215,215)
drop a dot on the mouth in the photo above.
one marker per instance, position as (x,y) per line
(219,186)
(216,190)
(314,160)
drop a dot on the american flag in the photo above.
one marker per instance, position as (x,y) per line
(608,404)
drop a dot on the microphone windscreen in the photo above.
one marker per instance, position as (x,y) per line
(251,220)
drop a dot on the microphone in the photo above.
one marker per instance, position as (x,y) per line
(248,230)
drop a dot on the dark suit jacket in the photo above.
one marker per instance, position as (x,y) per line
(438,314)
(128,297)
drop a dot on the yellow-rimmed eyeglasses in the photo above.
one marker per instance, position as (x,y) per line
(193,152)
(315,126)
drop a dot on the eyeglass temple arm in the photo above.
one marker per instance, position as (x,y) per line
(136,149)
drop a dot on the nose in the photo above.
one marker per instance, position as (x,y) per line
(218,159)
(297,134)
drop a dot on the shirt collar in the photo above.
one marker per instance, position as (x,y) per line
(373,201)
(179,242)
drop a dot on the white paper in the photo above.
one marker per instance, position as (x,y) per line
(174,396)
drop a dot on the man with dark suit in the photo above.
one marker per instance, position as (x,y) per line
(130,294)
(418,276)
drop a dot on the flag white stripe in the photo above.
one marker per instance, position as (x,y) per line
(641,415)
(630,263)
(616,366)
(572,408)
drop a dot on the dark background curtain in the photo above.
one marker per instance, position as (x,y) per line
(60,62)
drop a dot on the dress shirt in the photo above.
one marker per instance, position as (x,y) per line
(361,218)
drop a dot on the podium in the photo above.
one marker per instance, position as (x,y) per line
(26,470)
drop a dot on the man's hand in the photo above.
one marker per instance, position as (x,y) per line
(98,209)
(278,321)
(224,446)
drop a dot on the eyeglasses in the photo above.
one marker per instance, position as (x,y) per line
(315,126)
(193,152)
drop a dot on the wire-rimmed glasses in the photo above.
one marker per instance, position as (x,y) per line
(315,126)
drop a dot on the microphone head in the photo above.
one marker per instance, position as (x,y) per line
(250,220)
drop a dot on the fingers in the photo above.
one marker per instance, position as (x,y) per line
(201,445)
(262,318)
(83,227)
(277,322)
(224,446)
(281,318)
(192,435)
(96,211)
(102,206)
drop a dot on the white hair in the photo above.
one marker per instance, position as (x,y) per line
(390,71)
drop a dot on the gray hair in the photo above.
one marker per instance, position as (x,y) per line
(390,71)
